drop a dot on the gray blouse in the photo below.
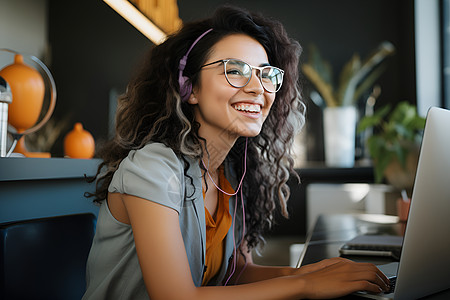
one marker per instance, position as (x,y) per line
(154,173)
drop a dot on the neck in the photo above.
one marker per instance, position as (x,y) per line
(216,173)
(215,151)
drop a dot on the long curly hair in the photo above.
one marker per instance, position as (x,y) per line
(151,111)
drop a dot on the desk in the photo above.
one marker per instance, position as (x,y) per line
(332,231)
(296,225)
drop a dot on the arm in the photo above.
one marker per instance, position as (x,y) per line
(165,267)
(250,272)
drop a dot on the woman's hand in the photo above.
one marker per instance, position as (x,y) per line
(337,277)
(319,265)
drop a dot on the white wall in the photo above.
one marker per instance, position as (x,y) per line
(23,28)
(350,198)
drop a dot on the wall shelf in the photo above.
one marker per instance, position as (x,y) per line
(43,187)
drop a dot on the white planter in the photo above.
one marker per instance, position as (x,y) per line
(339,124)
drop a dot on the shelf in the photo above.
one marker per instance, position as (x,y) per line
(18,168)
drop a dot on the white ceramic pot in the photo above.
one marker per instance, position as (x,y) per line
(339,124)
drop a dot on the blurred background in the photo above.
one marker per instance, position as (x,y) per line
(92,51)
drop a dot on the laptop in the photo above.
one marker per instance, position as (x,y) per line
(373,245)
(424,265)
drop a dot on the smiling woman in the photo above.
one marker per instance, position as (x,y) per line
(226,86)
(199,163)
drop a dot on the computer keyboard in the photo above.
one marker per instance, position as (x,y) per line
(392,282)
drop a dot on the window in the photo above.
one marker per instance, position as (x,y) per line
(446,52)
(428,44)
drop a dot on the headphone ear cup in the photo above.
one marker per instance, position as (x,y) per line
(183,81)
(185,88)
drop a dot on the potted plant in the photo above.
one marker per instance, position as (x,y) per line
(356,76)
(338,101)
(394,144)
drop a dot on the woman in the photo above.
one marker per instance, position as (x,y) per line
(199,162)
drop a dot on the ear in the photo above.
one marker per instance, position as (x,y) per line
(192,99)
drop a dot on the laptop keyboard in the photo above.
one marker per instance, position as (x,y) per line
(392,282)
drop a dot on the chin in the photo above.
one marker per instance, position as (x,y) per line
(243,128)
(250,132)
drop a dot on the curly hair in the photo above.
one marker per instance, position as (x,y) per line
(151,111)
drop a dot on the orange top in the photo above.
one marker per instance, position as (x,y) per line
(217,229)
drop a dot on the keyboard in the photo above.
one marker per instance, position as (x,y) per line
(392,282)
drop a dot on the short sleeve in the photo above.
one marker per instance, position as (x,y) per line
(154,173)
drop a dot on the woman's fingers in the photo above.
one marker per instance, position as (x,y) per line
(372,278)
(366,286)
(341,277)
(380,278)
(321,264)
(365,272)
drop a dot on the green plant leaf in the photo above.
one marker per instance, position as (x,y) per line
(398,134)
(375,120)
(372,61)
(368,82)
(322,67)
(381,155)
(400,154)
(355,78)
(323,88)
(345,87)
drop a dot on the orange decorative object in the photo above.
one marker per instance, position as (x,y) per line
(28,90)
(79,143)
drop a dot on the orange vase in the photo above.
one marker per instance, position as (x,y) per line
(79,143)
(28,90)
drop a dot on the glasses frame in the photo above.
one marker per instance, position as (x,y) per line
(225,61)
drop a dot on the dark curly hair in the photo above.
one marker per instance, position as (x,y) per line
(151,111)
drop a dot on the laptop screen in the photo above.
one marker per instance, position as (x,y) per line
(425,261)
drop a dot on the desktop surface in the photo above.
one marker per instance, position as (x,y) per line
(332,231)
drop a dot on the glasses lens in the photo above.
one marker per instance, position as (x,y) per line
(271,78)
(237,72)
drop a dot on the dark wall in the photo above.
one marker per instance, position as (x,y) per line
(94,50)
(339,28)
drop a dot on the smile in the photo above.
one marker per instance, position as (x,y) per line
(249,108)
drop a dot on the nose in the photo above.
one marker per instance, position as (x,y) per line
(255,84)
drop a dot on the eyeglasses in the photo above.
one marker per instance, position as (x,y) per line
(238,74)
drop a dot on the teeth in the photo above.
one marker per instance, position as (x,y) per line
(248,107)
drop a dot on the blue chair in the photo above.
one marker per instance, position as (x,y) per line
(45,258)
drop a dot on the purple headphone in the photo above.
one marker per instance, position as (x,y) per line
(183,81)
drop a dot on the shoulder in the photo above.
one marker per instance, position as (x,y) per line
(152,153)
(154,157)
(153,172)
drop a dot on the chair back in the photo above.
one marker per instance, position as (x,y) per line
(45,258)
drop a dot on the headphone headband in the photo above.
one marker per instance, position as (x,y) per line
(183,81)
